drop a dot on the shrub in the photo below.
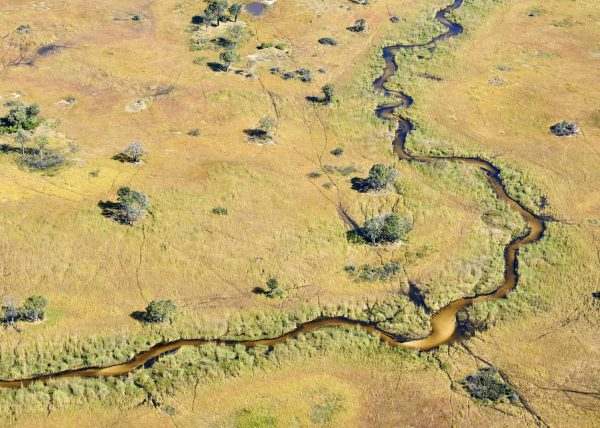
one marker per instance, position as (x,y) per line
(386,228)
(380,176)
(134,152)
(132,205)
(33,309)
(328,41)
(281,46)
(338,151)
(359,26)
(265,45)
(374,273)
(564,129)
(229,57)
(41,158)
(314,174)
(20,116)
(328,93)
(274,291)
(159,311)
(194,132)
(219,211)
(487,385)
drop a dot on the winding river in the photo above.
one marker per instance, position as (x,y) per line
(444,324)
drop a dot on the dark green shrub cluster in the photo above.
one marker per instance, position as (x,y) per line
(130,207)
(368,272)
(20,116)
(43,160)
(159,311)
(220,211)
(385,228)
(33,309)
(274,290)
(379,178)
(487,385)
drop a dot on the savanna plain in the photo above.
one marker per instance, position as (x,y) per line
(182,169)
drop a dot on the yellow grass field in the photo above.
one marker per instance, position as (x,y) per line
(501,85)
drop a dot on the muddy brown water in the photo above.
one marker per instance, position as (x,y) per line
(444,324)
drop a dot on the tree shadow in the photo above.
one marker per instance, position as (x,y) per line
(596,295)
(259,291)
(315,100)
(216,67)
(222,42)
(138,316)
(123,158)
(360,184)
(256,134)
(113,211)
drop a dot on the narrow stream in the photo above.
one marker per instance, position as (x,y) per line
(444,325)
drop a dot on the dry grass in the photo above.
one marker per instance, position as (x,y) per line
(282,223)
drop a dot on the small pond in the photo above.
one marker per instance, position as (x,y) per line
(256,8)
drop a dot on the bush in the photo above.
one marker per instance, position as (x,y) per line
(220,211)
(338,151)
(359,26)
(132,205)
(159,311)
(564,129)
(328,41)
(33,309)
(374,273)
(380,176)
(43,159)
(274,291)
(134,152)
(328,93)
(487,385)
(265,45)
(20,116)
(386,228)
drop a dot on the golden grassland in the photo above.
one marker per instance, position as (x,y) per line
(282,223)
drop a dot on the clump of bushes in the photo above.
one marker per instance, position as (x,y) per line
(159,311)
(385,228)
(130,207)
(328,41)
(266,45)
(219,211)
(32,310)
(265,132)
(379,178)
(338,151)
(274,290)
(564,129)
(487,385)
(370,273)
(302,74)
(359,26)
(39,158)
(132,153)
(20,117)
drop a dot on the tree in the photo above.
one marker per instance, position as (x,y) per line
(274,291)
(33,309)
(229,57)
(237,35)
(216,9)
(21,137)
(22,116)
(386,228)
(132,204)
(159,311)
(267,125)
(328,93)
(235,10)
(359,26)
(134,152)
(380,176)
(10,311)
(41,142)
